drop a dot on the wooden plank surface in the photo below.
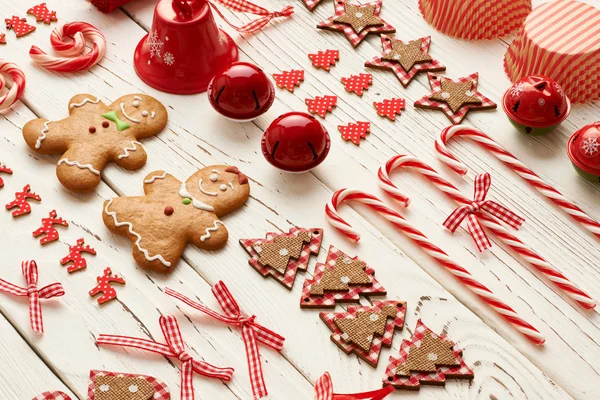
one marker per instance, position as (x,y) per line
(505,364)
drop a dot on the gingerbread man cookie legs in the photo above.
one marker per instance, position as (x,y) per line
(95,134)
(174,213)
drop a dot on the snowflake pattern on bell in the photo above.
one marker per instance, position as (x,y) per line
(169,58)
(590,147)
(155,44)
(517,90)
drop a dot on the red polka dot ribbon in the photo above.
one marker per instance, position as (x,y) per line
(30,272)
(324,391)
(479,204)
(252,332)
(174,348)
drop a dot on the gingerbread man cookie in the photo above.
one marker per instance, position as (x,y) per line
(94,134)
(172,214)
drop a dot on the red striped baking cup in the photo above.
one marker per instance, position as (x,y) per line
(475,19)
(560,39)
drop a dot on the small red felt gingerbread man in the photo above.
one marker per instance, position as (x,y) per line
(75,256)
(104,287)
(48,229)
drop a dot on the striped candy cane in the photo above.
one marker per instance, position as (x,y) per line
(513,163)
(536,261)
(435,252)
(11,70)
(71,51)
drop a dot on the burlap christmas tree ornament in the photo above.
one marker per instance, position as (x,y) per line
(362,329)
(425,357)
(277,253)
(123,388)
(345,272)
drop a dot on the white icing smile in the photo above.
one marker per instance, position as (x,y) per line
(205,191)
(196,203)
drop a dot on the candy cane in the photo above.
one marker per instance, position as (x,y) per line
(435,252)
(491,223)
(71,51)
(11,70)
(513,163)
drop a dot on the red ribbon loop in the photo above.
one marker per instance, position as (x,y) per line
(248,7)
(483,183)
(175,349)
(324,391)
(30,273)
(252,332)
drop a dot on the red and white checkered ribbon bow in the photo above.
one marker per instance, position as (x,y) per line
(252,333)
(245,7)
(175,349)
(469,211)
(30,272)
(324,391)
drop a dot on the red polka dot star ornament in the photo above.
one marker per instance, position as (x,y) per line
(241,92)
(295,142)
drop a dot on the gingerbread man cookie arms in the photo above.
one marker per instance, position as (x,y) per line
(173,213)
(94,134)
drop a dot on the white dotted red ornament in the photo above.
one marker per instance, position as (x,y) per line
(354,132)
(289,79)
(2,38)
(47,230)
(357,83)
(320,105)
(20,201)
(42,14)
(324,59)
(19,25)
(390,107)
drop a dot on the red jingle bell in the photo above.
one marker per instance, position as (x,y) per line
(184,49)
(584,151)
(295,142)
(242,92)
(536,104)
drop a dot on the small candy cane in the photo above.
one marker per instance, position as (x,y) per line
(461,274)
(513,163)
(11,70)
(536,261)
(71,51)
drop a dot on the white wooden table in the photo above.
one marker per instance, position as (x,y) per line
(505,364)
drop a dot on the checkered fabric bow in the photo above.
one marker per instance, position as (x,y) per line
(245,7)
(469,211)
(30,272)
(324,391)
(252,333)
(175,349)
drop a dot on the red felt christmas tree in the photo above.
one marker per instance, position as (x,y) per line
(289,79)
(19,25)
(76,256)
(354,132)
(364,330)
(21,201)
(4,169)
(321,105)
(324,59)
(357,83)
(42,14)
(389,108)
(340,279)
(104,287)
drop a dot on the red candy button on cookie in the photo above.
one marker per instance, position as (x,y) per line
(295,142)
(242,92)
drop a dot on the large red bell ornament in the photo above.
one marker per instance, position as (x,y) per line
(184,49)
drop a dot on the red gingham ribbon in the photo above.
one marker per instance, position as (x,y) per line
(245,7)
(174,348)
(324,391)
(251,332)
(469,211)
(30,272)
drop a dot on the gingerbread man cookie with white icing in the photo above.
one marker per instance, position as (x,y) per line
(172,214)
(94,134)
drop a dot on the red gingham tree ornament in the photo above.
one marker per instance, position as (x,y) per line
(428,365)
(20,201)
(390,107)
(42,14)
(19,25)
(289,79)
(379,321)
(75,256)
(4,169)
(104,286)
(357,83)
(324,59)
(320,105)
(287,277)
(354,132)
(47,229)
